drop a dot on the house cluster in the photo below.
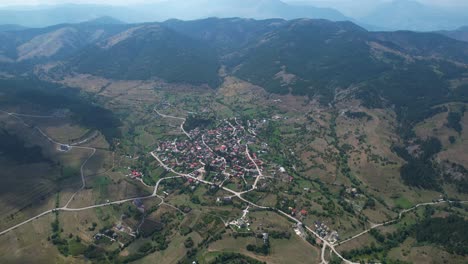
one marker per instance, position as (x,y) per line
(324,231)
(281,174)
(119,233)
(222,151)
(242,222)
(295,212)
(120,227)
(136,175)
(111,235)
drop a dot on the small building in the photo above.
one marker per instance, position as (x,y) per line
(64,148)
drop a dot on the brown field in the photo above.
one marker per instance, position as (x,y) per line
(28,244)
(171,255)
(413,253)
(291,251)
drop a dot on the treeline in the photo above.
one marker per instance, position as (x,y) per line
(264,249)
(53,96)
(358,115)
(454,121)
(234,258)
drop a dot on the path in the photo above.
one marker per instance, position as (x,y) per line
(66,209)
(174,117)
(260,175)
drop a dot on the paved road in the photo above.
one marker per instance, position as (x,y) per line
(93,150)
(83,180)
(237,194)
(322,254)
(328,244)
(400,215)
(66,209)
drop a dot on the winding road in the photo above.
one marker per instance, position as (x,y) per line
(66,207)
(179,175)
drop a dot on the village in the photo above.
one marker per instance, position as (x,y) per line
(224,154)
(215,155)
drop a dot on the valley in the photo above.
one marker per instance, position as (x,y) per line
(281,146)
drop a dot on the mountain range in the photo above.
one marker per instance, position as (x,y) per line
(394,15)
(459,34)
(190,9)
(315,58)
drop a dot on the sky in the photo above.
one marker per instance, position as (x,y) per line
(351,8)
(125,2)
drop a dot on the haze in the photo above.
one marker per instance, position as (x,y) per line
(416,15)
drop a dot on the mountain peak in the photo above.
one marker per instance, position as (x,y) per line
(104,20)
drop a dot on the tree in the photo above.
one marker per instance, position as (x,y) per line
(188,242)
(250,247)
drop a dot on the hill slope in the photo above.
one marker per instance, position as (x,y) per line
(55,42)
(316,58)
(149,51)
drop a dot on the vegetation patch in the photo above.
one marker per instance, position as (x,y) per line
(450,233)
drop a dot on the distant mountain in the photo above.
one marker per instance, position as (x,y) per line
(314,58)
(105,20)
(11,27)
(51,15)
(55,42)
(412,15)
(458,34)
(225,35)
(264,9)
(188,9)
